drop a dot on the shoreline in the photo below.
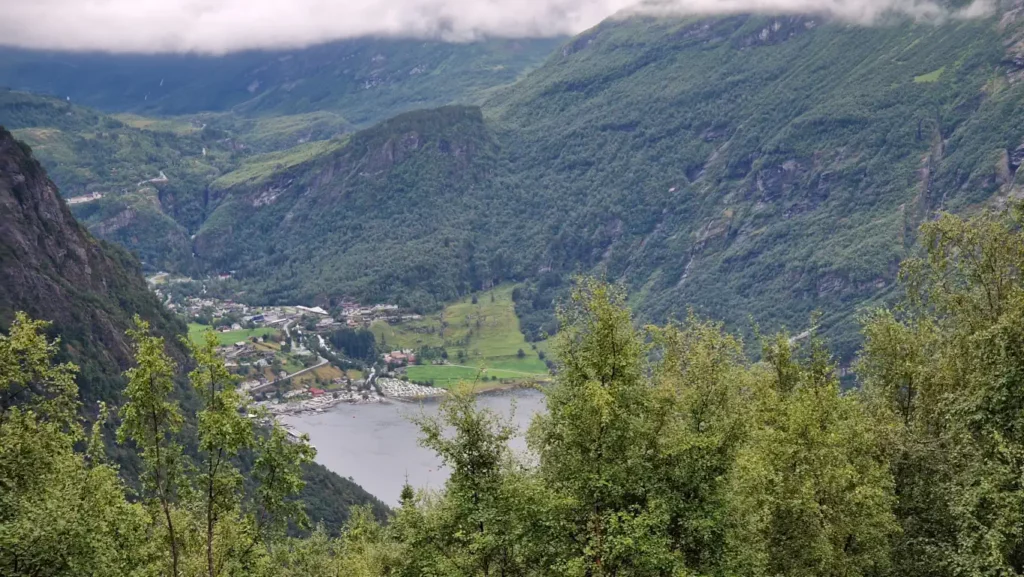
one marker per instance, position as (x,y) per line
(310,406)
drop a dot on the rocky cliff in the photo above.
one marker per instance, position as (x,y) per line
(53,269)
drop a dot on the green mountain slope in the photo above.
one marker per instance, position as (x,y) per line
(745,166)
(151,174)
(391,213)
(365,80)
(736,164)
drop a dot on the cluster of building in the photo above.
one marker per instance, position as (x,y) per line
(245,353)
(314,399)
(355,315)
(317,403)
(400,389)
(350,314)
(292,319)
(195,306)
(400,358)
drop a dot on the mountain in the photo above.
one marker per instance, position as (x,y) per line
(364,80)
(393,212)
(53,269)
(749,167)
(763,167)
(149,176)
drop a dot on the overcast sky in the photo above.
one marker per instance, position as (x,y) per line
(217,26)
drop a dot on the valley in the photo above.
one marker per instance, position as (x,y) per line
(725,165)
(751,280)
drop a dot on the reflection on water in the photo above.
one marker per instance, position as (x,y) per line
(377,445)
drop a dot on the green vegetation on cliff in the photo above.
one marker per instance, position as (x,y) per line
(749,167)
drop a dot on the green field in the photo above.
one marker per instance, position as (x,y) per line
(195,333)
(448,375)
(932,76)
(178,126)
(487,332)
(261,166)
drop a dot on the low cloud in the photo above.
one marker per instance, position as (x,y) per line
(865,12)
(219,26)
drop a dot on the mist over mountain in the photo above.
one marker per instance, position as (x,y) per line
(221,26)
(364,80)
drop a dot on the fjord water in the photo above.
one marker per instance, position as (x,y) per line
(377,445)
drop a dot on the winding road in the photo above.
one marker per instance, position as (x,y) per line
(161,178)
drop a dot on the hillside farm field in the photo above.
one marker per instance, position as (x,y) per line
(449,375)
(482,340)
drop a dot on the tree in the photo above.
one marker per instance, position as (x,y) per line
(484,523)
(61,513)
(594,442)
(944,372)
(812,492)
(278,473)
(150,419)
(701,415)
(223,432)
(520,354)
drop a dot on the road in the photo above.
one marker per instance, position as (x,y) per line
(161,178)
(271,384)
(84,198)
(322,362)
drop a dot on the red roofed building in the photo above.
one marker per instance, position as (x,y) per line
(316,392)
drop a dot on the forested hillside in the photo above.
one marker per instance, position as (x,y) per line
(53,269)
(747,166)
(758,166)
(750,167)
(151,175)
(394,213)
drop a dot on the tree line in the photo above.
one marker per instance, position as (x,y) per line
(664,450)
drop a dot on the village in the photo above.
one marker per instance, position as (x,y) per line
(284,356)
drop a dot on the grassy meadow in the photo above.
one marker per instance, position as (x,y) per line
(196,331)
(487,332)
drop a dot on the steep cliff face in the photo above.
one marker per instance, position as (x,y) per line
(53,269)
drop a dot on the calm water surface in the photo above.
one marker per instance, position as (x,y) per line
(376,445)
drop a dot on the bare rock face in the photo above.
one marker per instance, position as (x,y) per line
(54,270)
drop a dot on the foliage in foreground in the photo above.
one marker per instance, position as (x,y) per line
(664,451)
(65,512)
